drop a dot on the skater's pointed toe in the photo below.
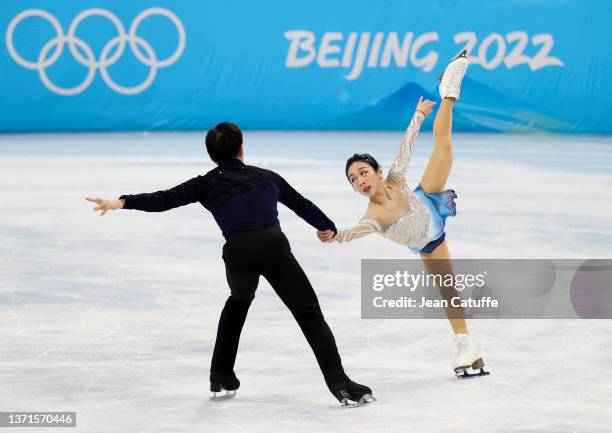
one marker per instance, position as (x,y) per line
(450,81)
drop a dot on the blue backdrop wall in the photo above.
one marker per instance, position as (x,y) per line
(537,65)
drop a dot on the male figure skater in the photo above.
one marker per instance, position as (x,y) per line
(243,200)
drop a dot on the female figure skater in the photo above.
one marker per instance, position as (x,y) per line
(416,218)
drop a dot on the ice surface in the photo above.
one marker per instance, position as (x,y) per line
(114,317)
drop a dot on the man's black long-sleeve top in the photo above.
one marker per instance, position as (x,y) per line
(240,197)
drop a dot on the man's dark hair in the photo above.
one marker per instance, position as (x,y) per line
(223,141)
(365,157)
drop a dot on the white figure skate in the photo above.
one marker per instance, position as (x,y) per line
(451,79)
(467,359)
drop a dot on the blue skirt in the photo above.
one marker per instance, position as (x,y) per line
(440,206)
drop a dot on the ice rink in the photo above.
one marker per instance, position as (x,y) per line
(115,317)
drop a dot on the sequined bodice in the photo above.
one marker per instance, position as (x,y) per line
(412,227)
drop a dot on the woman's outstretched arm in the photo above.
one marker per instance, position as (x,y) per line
(364,227)
(397,172)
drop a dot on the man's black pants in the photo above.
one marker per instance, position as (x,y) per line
(266,252)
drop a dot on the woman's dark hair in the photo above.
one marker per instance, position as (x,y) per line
(365,157)
(223,141)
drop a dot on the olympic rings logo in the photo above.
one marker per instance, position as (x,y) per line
(137,45)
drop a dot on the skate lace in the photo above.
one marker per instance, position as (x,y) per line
(462,348)
(457,77)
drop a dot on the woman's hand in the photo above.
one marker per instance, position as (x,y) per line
(426,106)
(325,235)
(106,205)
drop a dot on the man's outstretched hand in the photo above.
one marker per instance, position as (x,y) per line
(106,205)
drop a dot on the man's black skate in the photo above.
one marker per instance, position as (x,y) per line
(223,382)
(352,394)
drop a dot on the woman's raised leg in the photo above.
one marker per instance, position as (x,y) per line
(441,160)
